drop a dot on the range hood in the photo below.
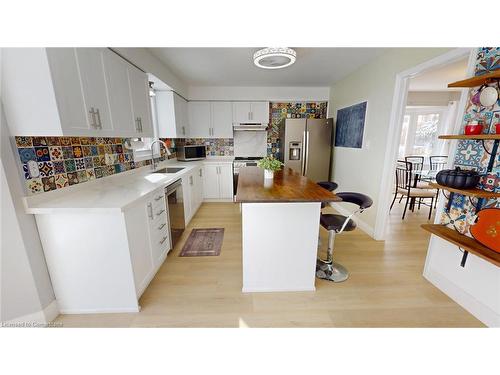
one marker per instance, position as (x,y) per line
(250,127)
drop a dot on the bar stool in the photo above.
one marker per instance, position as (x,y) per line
(328,185)
(335,224)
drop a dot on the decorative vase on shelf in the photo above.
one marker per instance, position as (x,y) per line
(268,174)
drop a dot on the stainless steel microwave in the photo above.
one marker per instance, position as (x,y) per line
(191,152)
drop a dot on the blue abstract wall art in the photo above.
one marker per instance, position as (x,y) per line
(350,126)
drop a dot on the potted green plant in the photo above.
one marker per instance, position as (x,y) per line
(270,165)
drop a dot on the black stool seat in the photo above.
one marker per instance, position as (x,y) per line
(334,222)
(328,185)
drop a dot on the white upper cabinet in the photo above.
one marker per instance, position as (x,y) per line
(241,112)
(222,119)
(210,119)
(171,111)
(251,112)
(199,115)
(260,112)
(64,77)
(73,91)
(141,107)
(90,65)
(116,72)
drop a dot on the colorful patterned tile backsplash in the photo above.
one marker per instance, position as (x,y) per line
(58,162)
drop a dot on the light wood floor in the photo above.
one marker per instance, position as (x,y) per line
(385,288)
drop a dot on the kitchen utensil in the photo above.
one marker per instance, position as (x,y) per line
(486,230)
(458,178)
(488,96)
(473,128)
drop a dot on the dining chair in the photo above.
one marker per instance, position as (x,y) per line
(404,186)
(438,163)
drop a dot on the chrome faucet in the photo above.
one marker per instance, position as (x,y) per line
(153,161)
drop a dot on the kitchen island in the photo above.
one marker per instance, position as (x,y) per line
(280,225)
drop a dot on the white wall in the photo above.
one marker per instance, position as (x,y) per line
(151,64)
(25,289)
(283,94)
(432,98)
(361,169)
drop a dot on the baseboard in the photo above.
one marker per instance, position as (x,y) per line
(468,302)
(225,200)
(365,227)
(101,311)
(271,290)
(51,311)
(36,319)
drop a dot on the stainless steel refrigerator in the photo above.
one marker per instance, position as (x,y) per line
(306,146)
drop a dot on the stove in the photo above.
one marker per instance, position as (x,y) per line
(239,162)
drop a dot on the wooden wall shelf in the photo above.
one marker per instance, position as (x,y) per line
(466,243)
(477,81)
(463,136)
(470,192)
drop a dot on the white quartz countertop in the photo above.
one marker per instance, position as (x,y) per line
(111,194)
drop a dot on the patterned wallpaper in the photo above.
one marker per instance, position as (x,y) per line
(58,162)
(280,111)
(471,154)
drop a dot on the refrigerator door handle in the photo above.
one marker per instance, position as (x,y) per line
(306,157)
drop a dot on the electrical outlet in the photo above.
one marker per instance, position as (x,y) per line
(108,159)
(33,169)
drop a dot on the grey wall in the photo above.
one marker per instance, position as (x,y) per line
(25,286)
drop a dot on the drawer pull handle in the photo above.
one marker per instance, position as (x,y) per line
(161,226)
(161,242)
(159,213)
(150,214)
(158,198)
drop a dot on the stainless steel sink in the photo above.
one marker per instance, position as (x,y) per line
(169,170)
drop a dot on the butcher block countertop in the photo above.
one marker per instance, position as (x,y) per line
(286,186)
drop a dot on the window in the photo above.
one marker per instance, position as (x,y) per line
(420,129)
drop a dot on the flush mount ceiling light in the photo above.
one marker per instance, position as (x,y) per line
(274,57)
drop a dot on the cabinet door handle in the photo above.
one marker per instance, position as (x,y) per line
(137,128)
(99,118)
(249,115)
(201,172)
(158,198)
(150,207)
(190,180)
(161,226)
(163,240)
(92,118)
(159,213)
(183,130)
(140,124)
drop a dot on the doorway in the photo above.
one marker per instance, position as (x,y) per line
(422,109)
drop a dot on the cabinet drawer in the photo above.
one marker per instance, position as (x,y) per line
(159,216)
(160,237)
(158,199)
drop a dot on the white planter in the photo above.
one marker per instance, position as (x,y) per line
(268,174)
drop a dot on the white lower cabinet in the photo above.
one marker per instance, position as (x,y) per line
(108,257)
(192,189)
(218,181)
